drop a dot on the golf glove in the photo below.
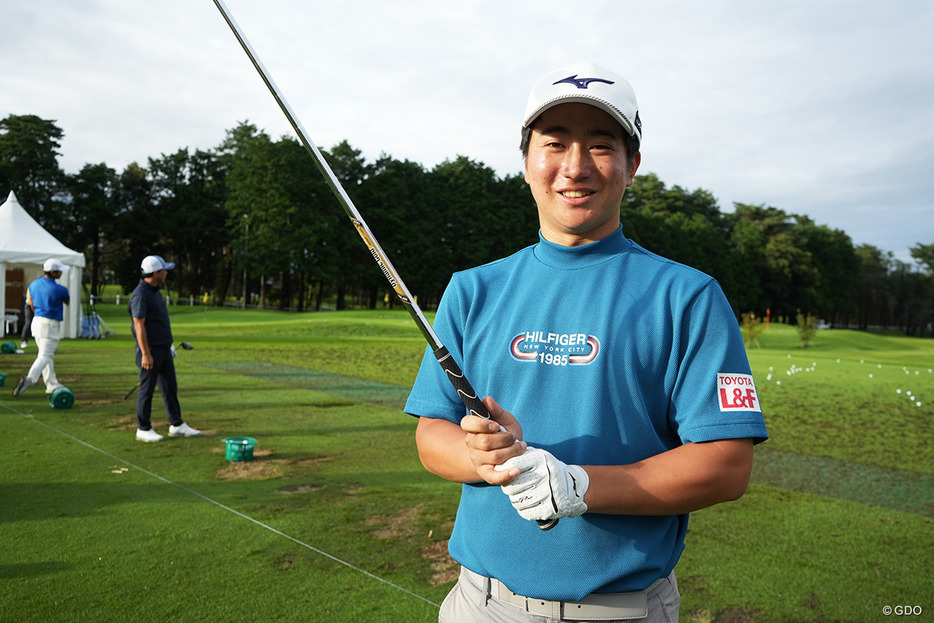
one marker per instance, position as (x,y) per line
(174,352)
(546,488)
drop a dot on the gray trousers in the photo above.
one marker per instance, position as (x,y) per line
(470,602)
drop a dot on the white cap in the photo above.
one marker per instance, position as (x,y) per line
(152,263)
(587,83)
(51,265)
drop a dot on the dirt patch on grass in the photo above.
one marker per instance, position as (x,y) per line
(312,461)
(445,568)
(736,615)
(293,489)
(91,404)
(283,562)
(257,469)
(400,524)
(404,525)
(262,467)
(122,423)
(730,615)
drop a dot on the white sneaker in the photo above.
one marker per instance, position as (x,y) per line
(23,345)
(148,436)
(183,430)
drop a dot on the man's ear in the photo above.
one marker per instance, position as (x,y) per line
(633,167)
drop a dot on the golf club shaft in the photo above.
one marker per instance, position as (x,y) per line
(185,345)
(457,378)
(130,393)
(454,373)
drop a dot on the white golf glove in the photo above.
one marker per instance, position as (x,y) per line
(174,352)
(546,488)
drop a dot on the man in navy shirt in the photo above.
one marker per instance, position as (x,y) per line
(47,300)
(154,352)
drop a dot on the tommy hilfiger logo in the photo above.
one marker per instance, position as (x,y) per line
(582,83)
(555,349)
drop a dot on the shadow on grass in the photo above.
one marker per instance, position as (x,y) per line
(30,501)
(894,489)
(31,569)
(352,389)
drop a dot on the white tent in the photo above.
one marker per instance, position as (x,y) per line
(25,244)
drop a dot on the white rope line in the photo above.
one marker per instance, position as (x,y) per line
(226,508)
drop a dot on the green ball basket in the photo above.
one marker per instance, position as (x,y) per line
(240,448)
(62,398)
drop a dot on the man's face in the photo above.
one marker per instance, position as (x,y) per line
(577,171)
(158,277)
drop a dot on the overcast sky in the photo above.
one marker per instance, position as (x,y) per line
(821,107)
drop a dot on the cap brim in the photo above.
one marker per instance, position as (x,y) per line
(583,99)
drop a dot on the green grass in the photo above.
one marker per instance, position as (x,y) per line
(96,526)
(838,521)
(846,397)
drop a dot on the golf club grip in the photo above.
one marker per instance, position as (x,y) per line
(461,384)
(472,402)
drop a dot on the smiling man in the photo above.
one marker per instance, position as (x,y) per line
(578,168)
(612,371)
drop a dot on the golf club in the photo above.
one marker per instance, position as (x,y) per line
(454,373)
(130,393)
(185,345)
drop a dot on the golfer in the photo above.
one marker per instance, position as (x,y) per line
(619,378)
(47,299)
(154,352)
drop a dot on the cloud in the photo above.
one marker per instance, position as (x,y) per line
(819,108)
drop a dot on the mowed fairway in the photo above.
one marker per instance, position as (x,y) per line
(335,519)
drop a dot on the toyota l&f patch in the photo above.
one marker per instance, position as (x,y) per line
(737,392)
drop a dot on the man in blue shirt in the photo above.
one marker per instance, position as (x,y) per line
(47,300)
(154,352)
(623,396)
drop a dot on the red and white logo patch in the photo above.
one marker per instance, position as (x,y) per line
(737,392)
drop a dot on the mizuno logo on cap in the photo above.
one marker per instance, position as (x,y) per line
(582,83)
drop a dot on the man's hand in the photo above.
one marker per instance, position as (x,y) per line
(147,361)
(545,487)
(492,442)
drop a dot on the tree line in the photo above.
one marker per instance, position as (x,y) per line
(253,221)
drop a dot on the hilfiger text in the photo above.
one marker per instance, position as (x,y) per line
(555,349)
